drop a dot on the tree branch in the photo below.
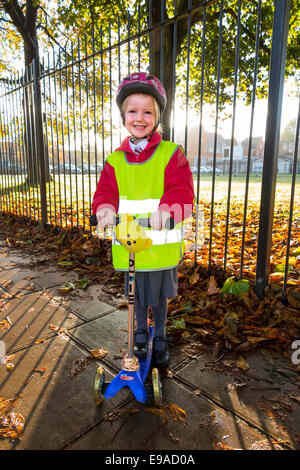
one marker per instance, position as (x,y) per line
(50,35)
(13,9)
(247,31)
(7,21)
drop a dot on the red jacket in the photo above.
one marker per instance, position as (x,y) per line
(178,183)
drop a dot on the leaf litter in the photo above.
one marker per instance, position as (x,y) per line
(11,423)
(167,411)
(80,363)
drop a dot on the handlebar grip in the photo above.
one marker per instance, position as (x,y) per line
(170,223)
(93,220)
(143,222)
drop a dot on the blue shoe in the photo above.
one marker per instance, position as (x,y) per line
(140,347)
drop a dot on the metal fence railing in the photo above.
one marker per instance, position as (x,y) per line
(59,121)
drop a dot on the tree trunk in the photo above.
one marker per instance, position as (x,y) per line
(33,115)
(26,26)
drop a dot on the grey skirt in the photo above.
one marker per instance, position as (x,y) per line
(150,286)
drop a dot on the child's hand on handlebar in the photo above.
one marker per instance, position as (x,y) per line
(159,219)
(105,217)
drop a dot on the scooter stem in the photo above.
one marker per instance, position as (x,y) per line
(131,297)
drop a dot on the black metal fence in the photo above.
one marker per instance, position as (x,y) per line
(59,121)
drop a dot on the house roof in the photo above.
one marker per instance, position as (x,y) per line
(255,140)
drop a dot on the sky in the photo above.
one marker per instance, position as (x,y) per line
(243,116)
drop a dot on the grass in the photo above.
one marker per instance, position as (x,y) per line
(67,194)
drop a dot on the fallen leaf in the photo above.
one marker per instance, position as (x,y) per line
(40,370)
(178,324)
(99,353)
(65,290)
(196,320)
(235,287)
(4,325)
(194,278)
(65,263)
(62,334)
(12,425)
(6,404)
(72,285)
(294,298)
(222,446)
(173,438)
(169,411)
(242,364)
(54,327)
(92,260)
(82,284)
(79,364)
(255,339)
(231,322)
(8,358)
(213,289)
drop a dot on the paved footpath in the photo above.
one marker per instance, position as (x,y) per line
(208,404)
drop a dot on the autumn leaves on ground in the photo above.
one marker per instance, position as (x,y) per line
(207,308)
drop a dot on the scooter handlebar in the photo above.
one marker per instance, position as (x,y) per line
(144,222)
(93,220)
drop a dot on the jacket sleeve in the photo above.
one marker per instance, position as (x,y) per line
(107,193)
(179,194)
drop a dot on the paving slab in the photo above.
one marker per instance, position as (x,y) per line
(56,407)
(200,425)
(269,404)
(108,332)
(111,332)
(30,318)
(10,258)
(21,280)
(86,303)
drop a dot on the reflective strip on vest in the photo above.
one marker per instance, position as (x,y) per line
(160,237)
(136,206)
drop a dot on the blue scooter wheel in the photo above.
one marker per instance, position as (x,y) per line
(157,388)
(98,386)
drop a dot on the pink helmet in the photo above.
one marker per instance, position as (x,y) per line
(142,82)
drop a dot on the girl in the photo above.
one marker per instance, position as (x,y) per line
(147,177)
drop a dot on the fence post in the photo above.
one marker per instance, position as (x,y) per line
(40,150)
(277,72)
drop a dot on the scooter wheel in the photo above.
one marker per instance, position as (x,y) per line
(157,388)
(98,386)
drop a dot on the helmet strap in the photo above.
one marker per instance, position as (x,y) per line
(149,136)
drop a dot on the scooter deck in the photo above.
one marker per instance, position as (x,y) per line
(133,379)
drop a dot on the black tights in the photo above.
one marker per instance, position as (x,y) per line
(159,315)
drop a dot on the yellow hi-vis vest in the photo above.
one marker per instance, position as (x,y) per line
(141,186)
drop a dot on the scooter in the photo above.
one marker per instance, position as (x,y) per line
(134,370)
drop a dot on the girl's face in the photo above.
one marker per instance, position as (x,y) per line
(140,115)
